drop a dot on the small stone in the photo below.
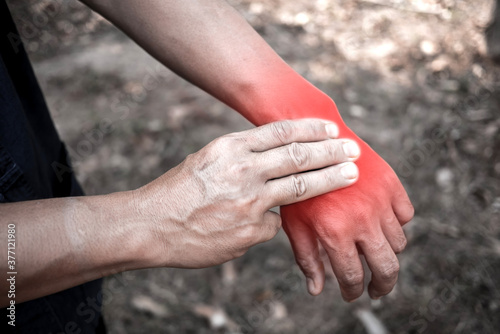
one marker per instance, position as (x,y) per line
(147,304)
(256,8)
(440,64)
(444,178)
(278,310)
(477,70)
(355,110)
(218,320)
(215,316)
(302,18)
(428,48)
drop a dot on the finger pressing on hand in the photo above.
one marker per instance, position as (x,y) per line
(305,248)
(299,157)
(281,133)
(299,187)
(383,264)
(347,268)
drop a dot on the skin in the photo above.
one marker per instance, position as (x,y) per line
(211,45)
(208,210)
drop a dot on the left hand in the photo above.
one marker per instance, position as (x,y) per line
(365,218)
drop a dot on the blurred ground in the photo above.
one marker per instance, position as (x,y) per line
(410,77)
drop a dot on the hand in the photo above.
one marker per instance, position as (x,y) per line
(363,219)
(215,205)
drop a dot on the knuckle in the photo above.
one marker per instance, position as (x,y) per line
(401,244)
(411,211)
(389,271)
(247,206)
(282,131)
(299,186)
(225,142)
(190,158)
(351,280)
(405,212)
(299,154)
(367,228)
(240,168)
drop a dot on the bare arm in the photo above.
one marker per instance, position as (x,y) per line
(210,44)
(206,211)
(63,242)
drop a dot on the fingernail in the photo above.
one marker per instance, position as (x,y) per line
(349,171)
(310,285)
(351,149)
(332,130)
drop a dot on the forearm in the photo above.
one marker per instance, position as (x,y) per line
(63,242)
(211,45)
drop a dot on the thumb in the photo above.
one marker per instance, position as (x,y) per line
(270,226)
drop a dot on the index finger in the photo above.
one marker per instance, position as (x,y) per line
(281,133)
(402,207)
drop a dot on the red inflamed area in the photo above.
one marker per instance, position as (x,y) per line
(364,218)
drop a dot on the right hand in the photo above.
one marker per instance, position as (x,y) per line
(215,205)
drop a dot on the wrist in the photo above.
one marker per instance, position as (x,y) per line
(127,237)
(285,94)
(157,243)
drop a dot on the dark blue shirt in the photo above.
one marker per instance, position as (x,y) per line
(33,161)
(34,165)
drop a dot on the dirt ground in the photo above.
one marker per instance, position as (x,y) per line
(410,77)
